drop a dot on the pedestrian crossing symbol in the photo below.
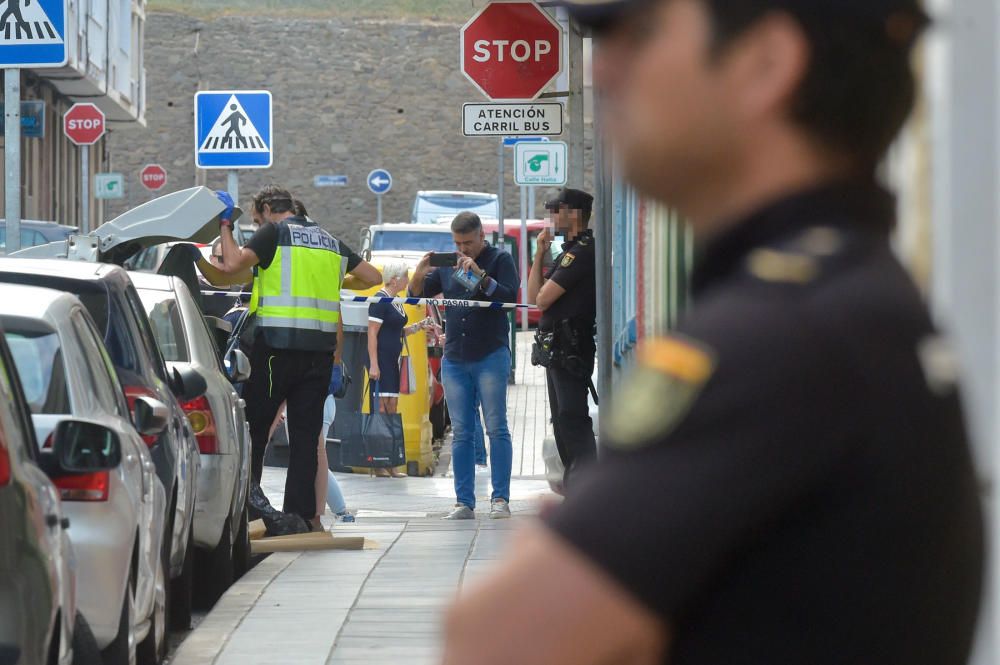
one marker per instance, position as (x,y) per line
(233,130)
(32,33)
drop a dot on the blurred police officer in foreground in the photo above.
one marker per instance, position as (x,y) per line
(788,479)
(564,344)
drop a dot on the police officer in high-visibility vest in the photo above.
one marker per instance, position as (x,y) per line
(300,271)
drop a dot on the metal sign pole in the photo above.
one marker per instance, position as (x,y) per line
(12,157)
(524,253)
(379,198)
(233,187)
(85,189)
(501,240)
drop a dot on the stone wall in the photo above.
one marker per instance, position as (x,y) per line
(349,96)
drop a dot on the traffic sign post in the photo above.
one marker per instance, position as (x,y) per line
(84,125)
(153,177)
(379,183)
(511,50)
(233,129)
(32,36)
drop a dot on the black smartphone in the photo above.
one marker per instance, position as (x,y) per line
(444,259)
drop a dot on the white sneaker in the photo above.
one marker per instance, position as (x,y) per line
(461,512)
(499,510)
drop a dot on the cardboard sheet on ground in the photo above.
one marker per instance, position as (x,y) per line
(306,542)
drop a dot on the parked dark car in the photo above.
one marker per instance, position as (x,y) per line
(111,299)
(34,232)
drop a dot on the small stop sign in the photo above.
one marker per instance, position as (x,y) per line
(84,124)
(512,50)
(153,177)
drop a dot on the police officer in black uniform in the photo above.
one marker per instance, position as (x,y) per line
(787,477)
(564,344)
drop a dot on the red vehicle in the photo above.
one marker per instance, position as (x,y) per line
(512,234)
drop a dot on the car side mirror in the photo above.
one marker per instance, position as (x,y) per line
(80,446)
(238,366)
(150,416)
(187,384)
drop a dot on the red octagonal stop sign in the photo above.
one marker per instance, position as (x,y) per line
(153,177)
(511,50)
(84,124)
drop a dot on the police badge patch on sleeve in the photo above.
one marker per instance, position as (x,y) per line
(668,378)
(568,260)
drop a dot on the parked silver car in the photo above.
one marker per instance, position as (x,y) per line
(39,622)
(117,517)
(220,425)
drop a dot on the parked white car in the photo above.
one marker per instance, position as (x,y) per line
(219,421)
(117,517)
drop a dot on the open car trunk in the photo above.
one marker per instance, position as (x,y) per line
(190,215)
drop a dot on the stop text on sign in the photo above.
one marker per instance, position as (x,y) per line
(519,51)
(543,119)
(86,123)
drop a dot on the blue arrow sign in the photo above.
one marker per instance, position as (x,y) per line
(33,35)
(233,129)
(379,181)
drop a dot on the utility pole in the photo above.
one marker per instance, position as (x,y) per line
(575,173)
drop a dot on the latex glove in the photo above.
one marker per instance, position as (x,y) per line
(226,200)
(336,380)
(191,252)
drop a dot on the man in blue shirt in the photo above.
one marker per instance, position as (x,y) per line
(476,357)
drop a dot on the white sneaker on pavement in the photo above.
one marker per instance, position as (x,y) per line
(461,512)
(499,510)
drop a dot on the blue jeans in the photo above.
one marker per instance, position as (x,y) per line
(463,381)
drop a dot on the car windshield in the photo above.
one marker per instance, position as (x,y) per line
(412,241)
(431,208)
(168,327)
(39,362)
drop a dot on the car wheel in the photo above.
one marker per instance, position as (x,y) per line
(153,649)
(241,546)
(181,590)
(121,651)
(215,570)
(85,651)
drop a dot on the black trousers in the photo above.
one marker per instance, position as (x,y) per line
(302,379)
(571,421)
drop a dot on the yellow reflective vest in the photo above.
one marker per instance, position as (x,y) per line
(297,297)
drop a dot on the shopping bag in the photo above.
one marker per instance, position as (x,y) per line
(371,440)
(407,377)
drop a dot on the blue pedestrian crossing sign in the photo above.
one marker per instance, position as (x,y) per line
(379,181)
(32,33)
(233,129)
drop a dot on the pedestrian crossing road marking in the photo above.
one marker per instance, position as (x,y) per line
(28,25)
(233,132)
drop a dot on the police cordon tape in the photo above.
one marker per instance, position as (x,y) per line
(482,304)
(372,300)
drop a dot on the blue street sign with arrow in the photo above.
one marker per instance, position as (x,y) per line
(33,35)
(379,181)
(233,129)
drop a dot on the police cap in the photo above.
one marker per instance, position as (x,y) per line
(897,16)
(574,199)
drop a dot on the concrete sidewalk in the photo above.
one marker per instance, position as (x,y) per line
(378,606)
